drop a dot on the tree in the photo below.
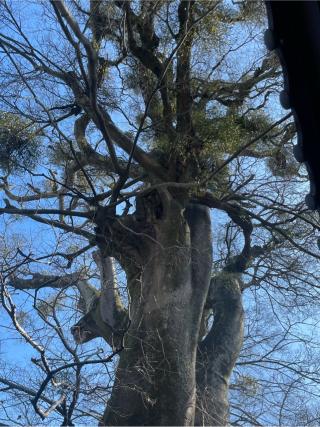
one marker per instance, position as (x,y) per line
(147,117)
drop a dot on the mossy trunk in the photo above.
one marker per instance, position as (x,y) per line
(156,377)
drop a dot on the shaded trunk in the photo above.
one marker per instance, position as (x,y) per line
(156,377)
(218,352)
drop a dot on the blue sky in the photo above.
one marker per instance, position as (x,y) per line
(41,239)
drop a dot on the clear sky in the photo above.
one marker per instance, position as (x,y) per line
(41,239)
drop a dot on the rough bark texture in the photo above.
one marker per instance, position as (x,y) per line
(105,315)
(174,369)
(218,352)
(156,380)
(166,310)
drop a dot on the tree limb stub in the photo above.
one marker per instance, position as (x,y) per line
(105,315)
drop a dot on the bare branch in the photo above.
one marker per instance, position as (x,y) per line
(39,281)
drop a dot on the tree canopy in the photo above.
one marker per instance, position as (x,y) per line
(121,124)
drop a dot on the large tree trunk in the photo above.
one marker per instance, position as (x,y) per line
(218,352)
(156,377)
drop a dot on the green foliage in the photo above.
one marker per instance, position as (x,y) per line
(223,134)
(212,29)
(254,123)
(19,143)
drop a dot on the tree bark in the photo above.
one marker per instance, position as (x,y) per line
(155,380)
(219,350)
